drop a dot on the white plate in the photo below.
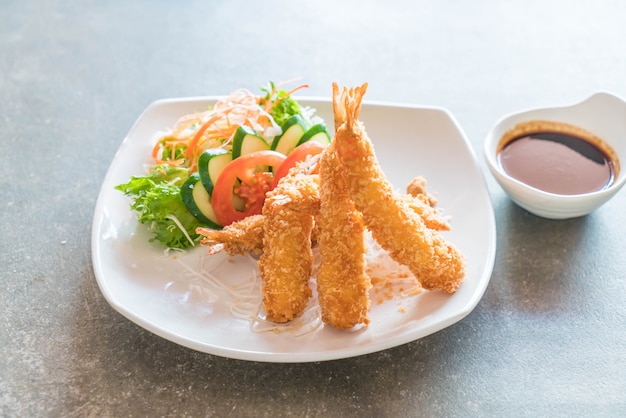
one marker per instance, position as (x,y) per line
(158,293)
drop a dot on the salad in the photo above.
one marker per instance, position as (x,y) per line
(214,167)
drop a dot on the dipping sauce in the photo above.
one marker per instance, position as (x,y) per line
(557,158)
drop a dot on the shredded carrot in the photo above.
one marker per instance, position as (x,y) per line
(155,152)
(191,147)
(194,133)
(180,127)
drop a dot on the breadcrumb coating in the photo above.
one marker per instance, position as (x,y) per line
(435,262)
(238,238)
(287,260)
(342,284)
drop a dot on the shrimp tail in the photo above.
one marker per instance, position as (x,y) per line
(347,105)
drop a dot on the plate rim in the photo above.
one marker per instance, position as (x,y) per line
(298,357)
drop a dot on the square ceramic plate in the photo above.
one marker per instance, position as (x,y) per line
(164,293)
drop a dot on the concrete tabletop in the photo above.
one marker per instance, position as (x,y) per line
(546,339)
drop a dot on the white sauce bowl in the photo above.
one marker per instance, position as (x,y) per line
(602,114)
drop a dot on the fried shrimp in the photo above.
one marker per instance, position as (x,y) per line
(287,259)
(431,217)
(423,203)
(246,235)
(241,237)
(436,263)
(342,284)
(238,238)
(418,187)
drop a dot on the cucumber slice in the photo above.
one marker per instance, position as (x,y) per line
(293,129)
(247,141)
(317,133)
(198,202)
(210,165)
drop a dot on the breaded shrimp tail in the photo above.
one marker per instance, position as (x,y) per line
(342,284)
(340,104)
(287,260)
(436,263)
(241,237)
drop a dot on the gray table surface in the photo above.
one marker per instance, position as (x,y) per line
(547,338)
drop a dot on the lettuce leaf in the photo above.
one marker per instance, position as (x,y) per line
(157,201)
(284,109)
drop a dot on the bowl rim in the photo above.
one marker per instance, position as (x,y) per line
(492,140)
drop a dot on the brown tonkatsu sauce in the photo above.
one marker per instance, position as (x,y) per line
(557,162)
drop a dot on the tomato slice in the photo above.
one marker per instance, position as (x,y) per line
(300,153)
(252,189)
